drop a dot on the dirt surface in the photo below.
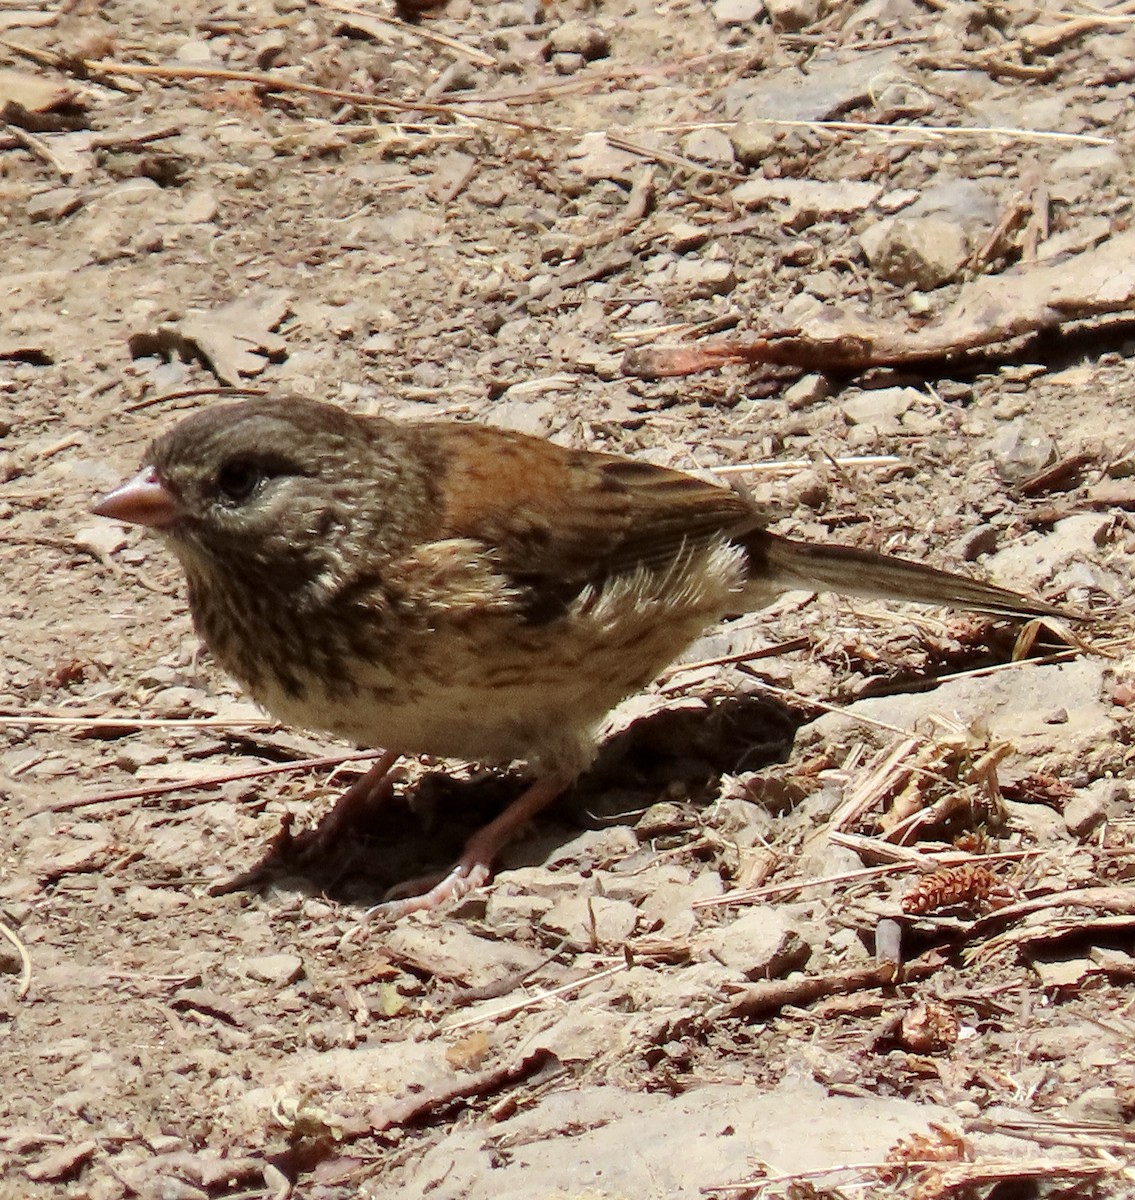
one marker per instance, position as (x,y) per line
(681,982)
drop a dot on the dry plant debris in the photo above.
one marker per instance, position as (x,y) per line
(771,927)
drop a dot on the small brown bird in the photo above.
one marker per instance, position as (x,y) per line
(450,589)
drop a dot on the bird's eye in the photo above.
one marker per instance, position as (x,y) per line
(238,480)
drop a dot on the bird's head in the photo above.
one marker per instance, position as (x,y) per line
(283,491)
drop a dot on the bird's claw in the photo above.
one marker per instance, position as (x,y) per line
(429,891)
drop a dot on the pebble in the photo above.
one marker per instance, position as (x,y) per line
(1089,807)
(593,159)
(806,391)
(579,38)
(807,200)
(709,146)
(762,944)
(880,407)
(752,142)
(567,64)
(1020,450)
(924,252)
(738,12)
(53,204)
(101,540)
(833,84)
(792,15)
(193,51)
(701,279)
(684,236)
(591,922)
(970,203)
(278,969)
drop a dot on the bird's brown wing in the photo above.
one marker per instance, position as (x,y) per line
(568,518)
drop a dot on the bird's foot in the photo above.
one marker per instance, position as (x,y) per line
(427,892)
(475,866)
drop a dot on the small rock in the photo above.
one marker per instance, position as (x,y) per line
(1020,450)
(532,417)
(807,200)
(592,922)
(519,911)
(896,201)
(791,15)
(701,279)
(268,47)
(923,251)
(579,37)
(811,489)
(737,12)
(685,236)
(134,754)
(194,51)
(593,159)
(81,847)
(833,83)
(199,208)
(278,969)
(62,1163)
(1106,1104)
(1089,807)
(54,204)
(1076,173)
(881,407)
(970,203)
(708,146)
(752,142)
(177,702)
(567,64)
(761,944)
(806,391)
(101,540)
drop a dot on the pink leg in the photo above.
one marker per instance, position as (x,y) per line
(287,847)
(475,865)
(371,788)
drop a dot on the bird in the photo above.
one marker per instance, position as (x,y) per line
(447,588)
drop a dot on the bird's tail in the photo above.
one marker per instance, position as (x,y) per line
(842,569)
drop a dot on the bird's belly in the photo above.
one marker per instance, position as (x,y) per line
(473,720)
(500,688)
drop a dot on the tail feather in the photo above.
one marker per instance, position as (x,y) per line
(848,571)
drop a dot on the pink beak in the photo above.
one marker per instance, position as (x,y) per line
(143,500)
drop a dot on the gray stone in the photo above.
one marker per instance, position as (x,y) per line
(925,252)
(807,200)
(623,1141)
(881,407)
(966,202)
(1008,706)
(592,921)
(579,37)
(54,204)
(278,969)
(709,146)
(1089,807)
(762,944)
(1020,450)
(737,12)
(833,83)
(752,142)
(702,279)
(791,15)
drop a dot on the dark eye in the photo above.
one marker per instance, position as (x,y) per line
(238,480)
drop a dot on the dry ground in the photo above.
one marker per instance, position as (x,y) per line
(537,190)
